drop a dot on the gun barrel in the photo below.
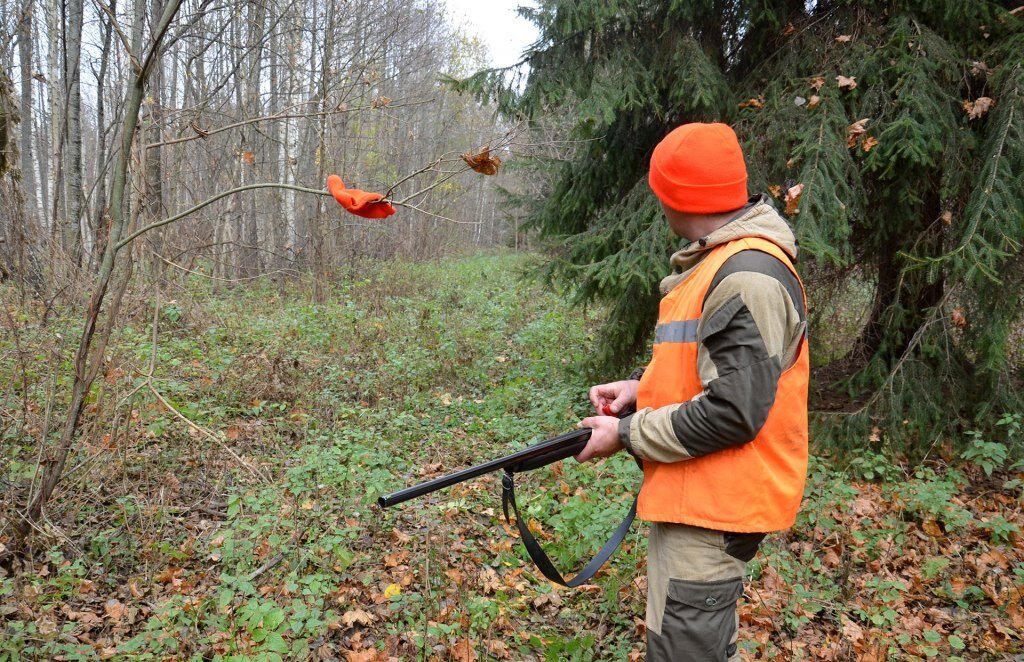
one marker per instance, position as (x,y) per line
(538,455)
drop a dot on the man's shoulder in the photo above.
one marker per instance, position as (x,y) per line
(751,269)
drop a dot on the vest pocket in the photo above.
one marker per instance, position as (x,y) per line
(700,619)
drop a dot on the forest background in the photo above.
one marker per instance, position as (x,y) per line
(210,370)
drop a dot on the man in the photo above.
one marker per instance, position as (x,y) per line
(721,408)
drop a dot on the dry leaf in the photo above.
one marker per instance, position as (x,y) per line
(854,131)
(114,609)
(793,199)
(846,82)
(463,651)
(851,630)
(249,158)
(868,143)
(947,217)
(498,648)
(813,101)
(482,161)
(979,107)
(844,38)
(775,190)
(958,318)
(380,102)
(357,617)
(790,29)
(817,82)
(753,103)
(365,655)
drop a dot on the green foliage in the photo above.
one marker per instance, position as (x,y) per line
(925,207)
(406,371)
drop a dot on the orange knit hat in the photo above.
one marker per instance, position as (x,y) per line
(699,169)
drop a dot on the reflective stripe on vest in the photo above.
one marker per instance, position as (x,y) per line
(755,487)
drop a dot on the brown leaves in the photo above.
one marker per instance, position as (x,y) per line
(482,161)
(817,82)
(793,195)
(813,101)
(463,651)
(858,131)
(855,130)
(248,158)
(380,102)
(846,82)
(355,617)
(844,38)
(753,102)
(978,108)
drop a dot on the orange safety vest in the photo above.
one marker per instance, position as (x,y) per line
(755,487)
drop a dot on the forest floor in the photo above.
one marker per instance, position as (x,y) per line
(251,532)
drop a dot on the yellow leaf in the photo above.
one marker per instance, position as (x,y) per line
(392,590)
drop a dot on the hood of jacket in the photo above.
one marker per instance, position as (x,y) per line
(758,218)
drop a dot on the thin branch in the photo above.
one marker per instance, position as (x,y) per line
(209,201)
(209,435)
(282,115)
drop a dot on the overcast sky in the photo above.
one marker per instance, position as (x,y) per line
(497,24)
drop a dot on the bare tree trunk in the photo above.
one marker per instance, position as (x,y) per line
(101,216)
(72,232)
(27,175)
(89,357)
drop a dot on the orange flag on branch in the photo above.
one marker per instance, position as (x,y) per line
(360,203)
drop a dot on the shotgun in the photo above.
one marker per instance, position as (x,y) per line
(534,457)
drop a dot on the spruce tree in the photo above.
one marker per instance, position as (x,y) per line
(892,133)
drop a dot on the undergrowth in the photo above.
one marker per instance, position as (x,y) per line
(252,532)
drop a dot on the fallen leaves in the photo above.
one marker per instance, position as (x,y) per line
(355,617)
(753,102)
(846,82)
(482,161)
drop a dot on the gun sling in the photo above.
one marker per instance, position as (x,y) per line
(537,554)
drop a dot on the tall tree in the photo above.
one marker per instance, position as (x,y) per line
(892,132)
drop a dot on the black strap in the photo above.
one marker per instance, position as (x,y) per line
(533,548)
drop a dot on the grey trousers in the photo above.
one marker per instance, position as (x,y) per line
(694,579)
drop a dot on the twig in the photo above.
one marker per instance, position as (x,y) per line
(277,558)
(283,114)
(209,435)
(209,201)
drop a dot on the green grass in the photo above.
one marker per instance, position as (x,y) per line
(162,545)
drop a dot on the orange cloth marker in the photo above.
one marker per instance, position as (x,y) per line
(360,203)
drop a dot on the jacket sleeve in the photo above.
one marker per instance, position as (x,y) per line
(750,330)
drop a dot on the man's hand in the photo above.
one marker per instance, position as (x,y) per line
(604,440)
(616,396)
